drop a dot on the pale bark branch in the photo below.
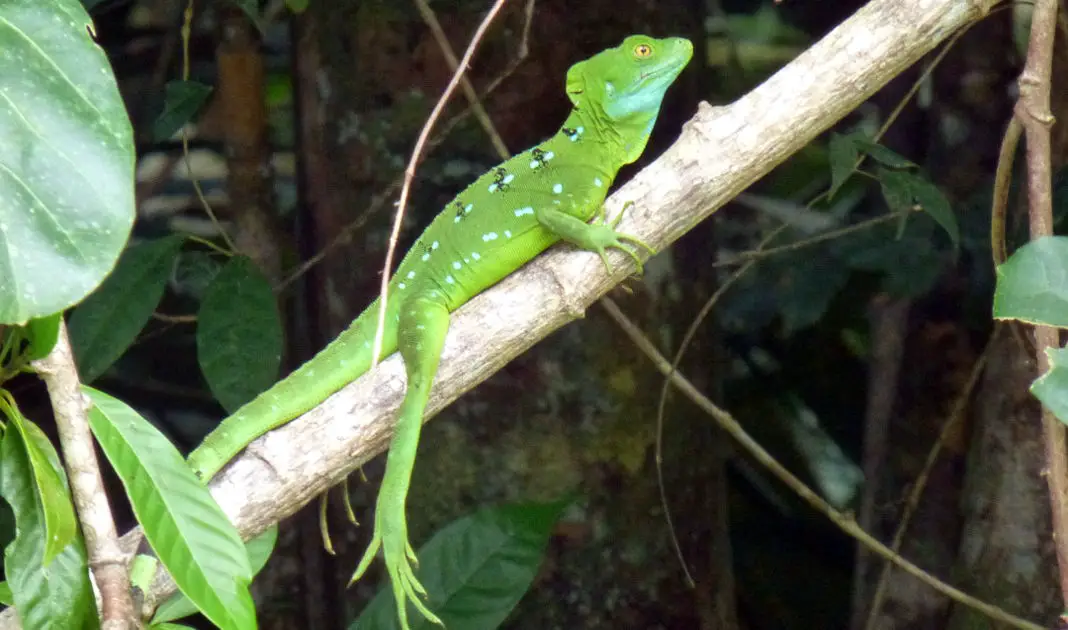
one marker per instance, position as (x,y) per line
(106,559)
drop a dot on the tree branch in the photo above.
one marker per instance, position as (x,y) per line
(721,151)
(1033,112)
(106,559)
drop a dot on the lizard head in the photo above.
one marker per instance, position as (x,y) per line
(626,84)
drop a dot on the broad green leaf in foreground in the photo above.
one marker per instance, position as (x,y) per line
(60,525)
(259,550)
(57,597)
(475,570)
(5,595)
(1032,285)
(109,320)
(1052,387)
(184,525)
(239,334)
(66,160)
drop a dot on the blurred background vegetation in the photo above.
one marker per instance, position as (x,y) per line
(852,349)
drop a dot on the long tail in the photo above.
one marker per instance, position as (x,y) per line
(344,360)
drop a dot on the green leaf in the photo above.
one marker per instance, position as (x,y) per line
(843,157)
(934,203)
(902,190)
(108,322)
(42,333)
(1052,387)
(61,526)
(896,189)
(259,550)
(59,596)
(878,152)
(5,595)
(181,101)
(66,160)
(475,570)
(239,334)
(184,525)
(1032,285)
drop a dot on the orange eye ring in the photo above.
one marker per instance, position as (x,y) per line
(641,51)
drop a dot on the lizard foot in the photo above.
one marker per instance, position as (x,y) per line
(603,235)
(391,535)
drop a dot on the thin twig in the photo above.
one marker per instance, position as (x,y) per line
(345,234)
(106,559)
(661,406)
(761,253)
(844,522)
(956,417)
(409,172)
(1034,114)
(187,29)
(469,90)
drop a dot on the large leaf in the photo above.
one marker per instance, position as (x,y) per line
(184,525)
(61,526)
(259,550)
(105,325)
(6,598)
(239,334)
(60,596)
(475,570)
(1032,284)
(66,160)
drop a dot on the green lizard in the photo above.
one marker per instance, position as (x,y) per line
(505,218)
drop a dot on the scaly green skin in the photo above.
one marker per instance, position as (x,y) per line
(504,219)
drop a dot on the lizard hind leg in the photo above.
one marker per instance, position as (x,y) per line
(424,320)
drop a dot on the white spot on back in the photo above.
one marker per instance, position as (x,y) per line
(597,182)
(558,188)
(475,256)
(434,245)
(456,265)
(401,285)
(508,178)
(426,256)
(411,274)
(533,164)
(450,280)
(492,187)
(548,155)
(489,236)
(508,234)
(522,211)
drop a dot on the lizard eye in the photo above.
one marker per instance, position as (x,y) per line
(641,51)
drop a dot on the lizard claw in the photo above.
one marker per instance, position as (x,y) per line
(400,562)
(619,240)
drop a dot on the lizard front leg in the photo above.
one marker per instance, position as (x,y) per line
(424,320)
(594,237)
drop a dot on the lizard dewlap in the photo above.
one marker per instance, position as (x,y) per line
(553,191)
